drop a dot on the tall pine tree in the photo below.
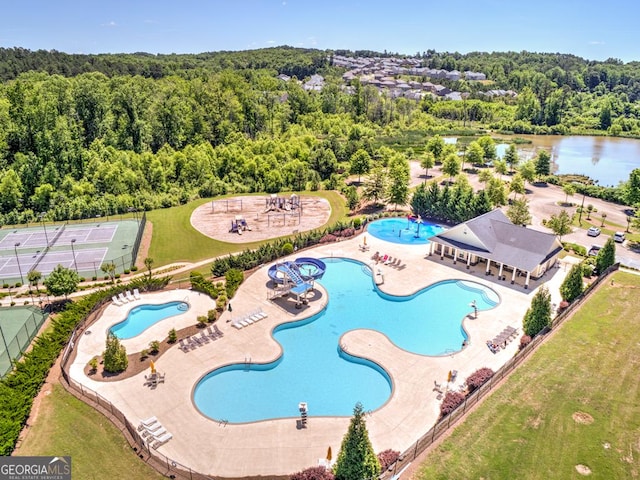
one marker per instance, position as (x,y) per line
(538,315)
(572,287)
(357,460)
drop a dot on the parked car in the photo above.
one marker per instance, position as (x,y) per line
(593,251)
(593,232)
(618,237)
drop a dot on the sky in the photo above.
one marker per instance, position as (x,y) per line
(589,29)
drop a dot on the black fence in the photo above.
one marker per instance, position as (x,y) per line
(11,349)
(434,434)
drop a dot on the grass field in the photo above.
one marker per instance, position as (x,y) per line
(67,426)
(576,401)
(174,238)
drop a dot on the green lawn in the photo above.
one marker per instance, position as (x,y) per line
(526,429)
(175,240)
(98,450)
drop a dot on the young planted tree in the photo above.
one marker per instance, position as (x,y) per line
(110,269)
(606,256)
(475,154)
(62,281)
(590,209)
(451,165)
(517,185)
(435,145)
(375,187)
(538,315)
(148,263)
(115,355)
(569,191)
(511,157)
(543,164)
(360,163)
(428,161)
(518,212)
(500,166)
(560,224)
(573,286)
(356,459)
(34,277)
(399,176)
(353,200)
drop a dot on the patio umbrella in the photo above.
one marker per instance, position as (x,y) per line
(329,454)
(364,240)
(229,307)
(449,377)
(153,367)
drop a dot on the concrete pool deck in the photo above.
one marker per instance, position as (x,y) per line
(278,447)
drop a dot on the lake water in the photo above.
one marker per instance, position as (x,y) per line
(607,160)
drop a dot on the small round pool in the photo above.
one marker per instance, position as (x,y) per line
(144,316)
(407,231)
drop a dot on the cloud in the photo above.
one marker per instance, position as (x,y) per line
(271,42)
(312,40)
(284,3)
(596,42)
(110,24)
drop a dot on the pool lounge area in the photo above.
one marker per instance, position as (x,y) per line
(279,447)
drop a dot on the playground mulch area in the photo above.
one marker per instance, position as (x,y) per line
(214,219)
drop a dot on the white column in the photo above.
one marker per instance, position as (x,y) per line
(488,267)
(526,282)
(455,255)
(468,260)
(500,272)
(513,276)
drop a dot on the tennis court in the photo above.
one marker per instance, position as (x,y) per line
(81,247)
(18,327)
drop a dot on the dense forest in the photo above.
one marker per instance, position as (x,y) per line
(87,135)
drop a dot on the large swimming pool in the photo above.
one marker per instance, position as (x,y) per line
(407,231)
(314,369)
(143,316)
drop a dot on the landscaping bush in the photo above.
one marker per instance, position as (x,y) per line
(221,302)
(144,354)
(200,284)
(479,378)
(134,269)
(202,321)
(154,346)
(287,249)
(93,363)
(212,315)
(115,355)
(388,458)
(233,279)
(313,473)
(450,402)
(173,336)
(524,341)
(357,222)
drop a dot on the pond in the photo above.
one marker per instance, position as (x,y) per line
(606,160)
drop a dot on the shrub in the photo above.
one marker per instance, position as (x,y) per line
(202,321)
(357,223)
(287,249)
(144,354)
(117,276)
(450,402)
(115,355)
(233,278)
(524,341)
(388,458)
(154,346)
(221,302)
(212,315)
(127,272)
(313,473)
(173,336)
(479,378)
(5,285)
(94,278)
(93,363)
(200,284)
(134,269)
(18,284)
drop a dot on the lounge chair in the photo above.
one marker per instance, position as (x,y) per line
(129,296)
(160,378)
(211,334)
(122,298)
(153,435)
(219,333)
(384,259)
(237,325)
(388,260)
(136,294)
(162,440)
(196,340)
(149,421)
(261,314)
(154,428)
(116,301)
(183,346)
(203,337)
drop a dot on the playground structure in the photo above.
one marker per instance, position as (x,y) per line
(239,225)
(279,204)
(295,277)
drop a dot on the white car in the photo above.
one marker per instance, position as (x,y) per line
(618,237)
(593,232)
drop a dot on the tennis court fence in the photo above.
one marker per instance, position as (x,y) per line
(12,348)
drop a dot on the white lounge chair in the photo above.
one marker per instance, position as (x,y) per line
(122,298)
(149,421)
(116,301)
(129,296)
(136,294)
(162,440)
(238,325)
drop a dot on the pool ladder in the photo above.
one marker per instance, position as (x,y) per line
(247,364)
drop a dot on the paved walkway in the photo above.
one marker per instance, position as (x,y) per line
(278,447)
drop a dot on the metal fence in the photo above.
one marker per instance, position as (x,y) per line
(174,469)
(163,464)
(434,434)
(12,348)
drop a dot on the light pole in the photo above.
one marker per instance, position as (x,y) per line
(15,249)
(73,240)
(44,227)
